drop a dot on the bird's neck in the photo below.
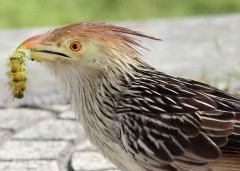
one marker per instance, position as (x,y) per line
(93,99)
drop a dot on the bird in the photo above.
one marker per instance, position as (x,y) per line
(138,117)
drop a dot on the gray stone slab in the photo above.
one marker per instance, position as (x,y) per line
(191,47)
(29,166)
(5,134)
(87,158)
(31,150)
(52,129)
(21,118)
(38,100)
(60,108)
(67,115)
(86,146)
(89,161)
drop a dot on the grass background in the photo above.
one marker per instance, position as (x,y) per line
(28,13)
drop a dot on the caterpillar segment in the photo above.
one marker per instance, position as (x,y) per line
(17,71)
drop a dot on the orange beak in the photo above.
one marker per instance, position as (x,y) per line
(33,42)
(42,51)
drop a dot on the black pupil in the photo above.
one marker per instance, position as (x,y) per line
(75,46)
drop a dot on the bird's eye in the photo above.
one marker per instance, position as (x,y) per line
(75,46)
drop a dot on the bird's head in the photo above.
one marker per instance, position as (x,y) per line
(89,47)
(88,56)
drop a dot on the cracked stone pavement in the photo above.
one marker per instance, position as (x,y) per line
(40,133)
(46,139)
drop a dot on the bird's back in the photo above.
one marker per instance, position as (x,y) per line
(170,123)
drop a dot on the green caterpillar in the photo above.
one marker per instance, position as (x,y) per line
(17,71)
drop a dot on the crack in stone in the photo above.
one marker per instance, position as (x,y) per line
(65,156)
(7,129)
(30,123)
(67,119)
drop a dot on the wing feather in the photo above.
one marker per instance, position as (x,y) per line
(177,123)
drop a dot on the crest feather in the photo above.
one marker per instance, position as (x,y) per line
(118,38)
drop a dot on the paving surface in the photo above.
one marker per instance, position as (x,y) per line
(46,139)
(40,133)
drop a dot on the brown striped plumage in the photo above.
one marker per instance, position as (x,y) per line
(183,123)
(139,118)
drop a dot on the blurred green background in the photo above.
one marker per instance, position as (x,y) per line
(28,13)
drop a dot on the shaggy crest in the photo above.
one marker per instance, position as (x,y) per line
(107,36)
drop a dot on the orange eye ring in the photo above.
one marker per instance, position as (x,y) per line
(75,46)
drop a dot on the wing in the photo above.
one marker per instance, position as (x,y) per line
(169,123)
